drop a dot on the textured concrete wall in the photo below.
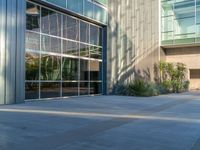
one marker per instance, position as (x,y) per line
(133,39)
(190,56)
(12,40)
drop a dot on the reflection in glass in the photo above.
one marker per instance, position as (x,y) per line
(70,68)
(84,70)
(84,32)
(32,17)
(51,22)
(75,5)
(84,88)
(50,89)
(61,3)
(69,89)
(50,67)
(95,88)
(31,90)
(100,14)
(32,66)
(95,35)
(95,52)
(51,44)
(95,70)
(32,41)
(70,28)
(88,9)
(84,50)
(70,48)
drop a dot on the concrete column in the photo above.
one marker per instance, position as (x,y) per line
(12,50)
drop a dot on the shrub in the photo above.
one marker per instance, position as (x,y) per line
(135,88)
(119,89)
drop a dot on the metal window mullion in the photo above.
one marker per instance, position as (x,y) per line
(89,65)
(195,21)
(79,70)
(61,65)
(40,55)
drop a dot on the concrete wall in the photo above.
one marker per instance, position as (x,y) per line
(133,40)
(190,56)
(12,40)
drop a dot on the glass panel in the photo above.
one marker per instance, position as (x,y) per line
(61,3)
(95,52)
(50,90)
(84,50)
(51,22)
(50,67)
(167,8)
(167,24)
(31,90)
(32,66)
(70,68)
(51,44)
(75,5)
(95,35)
(100,14)
(70,48)
(84,70)
(95,88)
(69,89)
(70,28)
(105,2)
(95,70)
(84,88)
(32,17)
(88,9)
(167,36)
(84,32)
(32,41)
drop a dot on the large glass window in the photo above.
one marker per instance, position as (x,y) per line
(70,28)
(51,44)
(32,66)
(32,17)
(70,48)
(32,90)
(51,22)
(50,89)
(50,67)
(32,41)
(63,55)
(180,21)
(84,32)
(70,69)
(75,5)
(95,35)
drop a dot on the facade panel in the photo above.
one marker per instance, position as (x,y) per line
(12,34)
(133,40)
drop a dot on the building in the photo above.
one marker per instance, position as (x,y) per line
(61,48)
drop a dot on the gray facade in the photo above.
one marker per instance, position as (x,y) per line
(133,40)
(12,39)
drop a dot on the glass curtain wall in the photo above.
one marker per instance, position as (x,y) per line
(63,55)
(94,9)
(180,22)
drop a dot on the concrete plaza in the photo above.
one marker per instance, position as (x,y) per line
(169,122)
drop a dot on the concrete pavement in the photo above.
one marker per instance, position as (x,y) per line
(168,122)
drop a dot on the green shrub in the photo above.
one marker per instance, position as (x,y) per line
(186,85)
(135,88)
(119,89)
